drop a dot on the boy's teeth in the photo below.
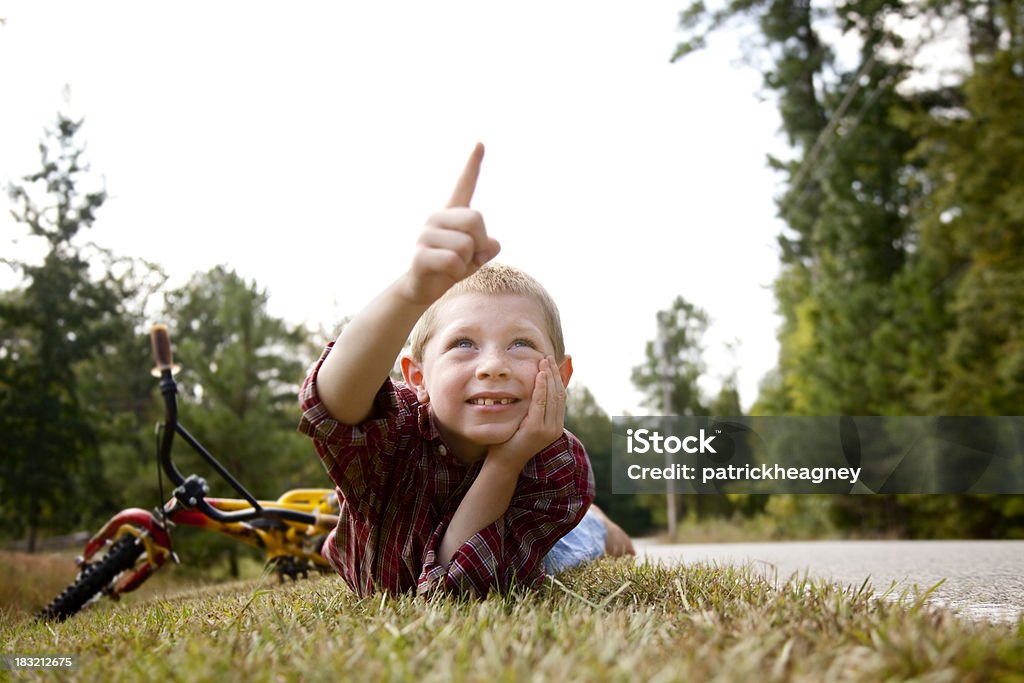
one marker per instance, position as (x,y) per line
(491,401)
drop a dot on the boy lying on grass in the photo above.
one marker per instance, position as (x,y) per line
(462,478)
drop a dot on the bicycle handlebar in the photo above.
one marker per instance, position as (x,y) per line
(161,342)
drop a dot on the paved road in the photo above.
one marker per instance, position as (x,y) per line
(983,579)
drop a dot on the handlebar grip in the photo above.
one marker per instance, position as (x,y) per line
(161,340)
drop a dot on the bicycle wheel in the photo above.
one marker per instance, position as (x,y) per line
(93,578)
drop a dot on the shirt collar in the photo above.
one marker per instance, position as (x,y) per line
(428,430)
(430,434)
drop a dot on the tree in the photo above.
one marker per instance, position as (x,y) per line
(965,284)
(668,378)
(902,278)
(119,395)
(61,320)
(675,361)
(890,189)
(727,403)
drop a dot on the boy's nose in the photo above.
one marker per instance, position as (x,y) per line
(492,364)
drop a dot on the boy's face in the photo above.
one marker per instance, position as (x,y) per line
(479,369)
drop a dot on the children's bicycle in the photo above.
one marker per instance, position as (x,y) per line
(135,543)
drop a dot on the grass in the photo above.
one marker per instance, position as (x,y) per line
(610,621)
(28,581)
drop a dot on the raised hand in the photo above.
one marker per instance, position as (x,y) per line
(454,242)
(544,421)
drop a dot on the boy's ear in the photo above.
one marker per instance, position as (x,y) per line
(413,374)
(565,370)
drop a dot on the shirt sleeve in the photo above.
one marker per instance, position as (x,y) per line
(358,457)
(554,491)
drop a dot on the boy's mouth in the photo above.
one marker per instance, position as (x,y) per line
(491,401)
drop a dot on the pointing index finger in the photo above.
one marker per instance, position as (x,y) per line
(464,189)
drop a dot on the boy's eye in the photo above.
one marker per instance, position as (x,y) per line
(524,343)
(461,344)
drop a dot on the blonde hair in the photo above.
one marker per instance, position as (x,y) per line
(493,279)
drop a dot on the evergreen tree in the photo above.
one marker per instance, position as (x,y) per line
(669,379)
(902,279)
(965,284)
(674,361)
(61,320)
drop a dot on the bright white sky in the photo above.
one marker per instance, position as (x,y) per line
(304,144)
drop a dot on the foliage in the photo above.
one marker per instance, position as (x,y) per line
(57,332)
(669,381)
(674,361)
(969,266)
(727,403)
(77,402)
(902,279)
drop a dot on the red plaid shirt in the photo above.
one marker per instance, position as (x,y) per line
(399,487)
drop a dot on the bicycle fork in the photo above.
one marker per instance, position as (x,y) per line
(147,529)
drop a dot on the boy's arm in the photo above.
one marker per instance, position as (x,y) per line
(552,494)
(491,492)
(452,246)
(363,354)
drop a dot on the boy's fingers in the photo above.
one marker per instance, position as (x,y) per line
(556,391)
(463,193)
(460,242)
(461,219)
(556,378)
(540,395)
(488,252)
(554,398)
(443,261)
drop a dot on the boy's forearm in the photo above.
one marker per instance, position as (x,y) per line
(364,354)
(486,500)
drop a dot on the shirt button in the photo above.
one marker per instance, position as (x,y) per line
(442,450)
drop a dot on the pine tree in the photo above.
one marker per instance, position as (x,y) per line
(58,322)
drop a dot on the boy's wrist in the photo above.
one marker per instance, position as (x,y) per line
(503,462)
(421,292)
(509,458)
(405,295)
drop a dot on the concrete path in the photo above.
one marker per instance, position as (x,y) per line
(983,579)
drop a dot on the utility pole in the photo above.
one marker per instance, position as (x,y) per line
(665,372)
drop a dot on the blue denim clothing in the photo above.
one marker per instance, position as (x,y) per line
(584,543)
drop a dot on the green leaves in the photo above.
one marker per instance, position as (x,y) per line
(902,280)
(674,362)
(50,330)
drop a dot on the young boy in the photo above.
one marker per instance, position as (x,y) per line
(462,477)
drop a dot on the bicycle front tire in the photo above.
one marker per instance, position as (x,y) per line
(93,578)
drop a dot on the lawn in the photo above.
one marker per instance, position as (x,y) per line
(611,621)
